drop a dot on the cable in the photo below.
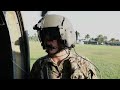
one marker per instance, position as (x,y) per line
(20,67)
(67,55)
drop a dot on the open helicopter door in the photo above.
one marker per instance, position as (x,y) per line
(14,49)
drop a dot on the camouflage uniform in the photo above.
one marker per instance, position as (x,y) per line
(73,67)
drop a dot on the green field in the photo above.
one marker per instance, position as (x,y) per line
(106,58)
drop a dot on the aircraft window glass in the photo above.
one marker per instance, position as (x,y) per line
(15,35)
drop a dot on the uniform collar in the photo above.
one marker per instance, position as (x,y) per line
(49,59)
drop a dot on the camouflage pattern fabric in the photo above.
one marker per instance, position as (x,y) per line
(73,67)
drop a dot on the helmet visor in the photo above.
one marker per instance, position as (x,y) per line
(50,33)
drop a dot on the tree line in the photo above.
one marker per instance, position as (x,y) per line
(33,37)
(99,40)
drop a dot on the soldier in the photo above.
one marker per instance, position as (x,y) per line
(57,37)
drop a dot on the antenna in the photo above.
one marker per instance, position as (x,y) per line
(43,13)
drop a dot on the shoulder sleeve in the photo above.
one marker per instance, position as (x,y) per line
(91,72)
(81,68)
(36,68)
(91,69)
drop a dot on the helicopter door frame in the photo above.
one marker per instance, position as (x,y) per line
(19,44)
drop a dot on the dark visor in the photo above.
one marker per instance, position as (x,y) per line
(50,33)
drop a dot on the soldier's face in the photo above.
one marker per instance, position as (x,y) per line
(52,46)
(51,38)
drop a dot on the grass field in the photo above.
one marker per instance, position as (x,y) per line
(106,58)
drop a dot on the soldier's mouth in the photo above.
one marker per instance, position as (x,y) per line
(50,47)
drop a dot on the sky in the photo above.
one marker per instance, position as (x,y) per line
(93,23)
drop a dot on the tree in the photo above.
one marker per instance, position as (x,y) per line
(105,38)
(87,36)
(77,35)
(112,40)
(117,40)
(100,39)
